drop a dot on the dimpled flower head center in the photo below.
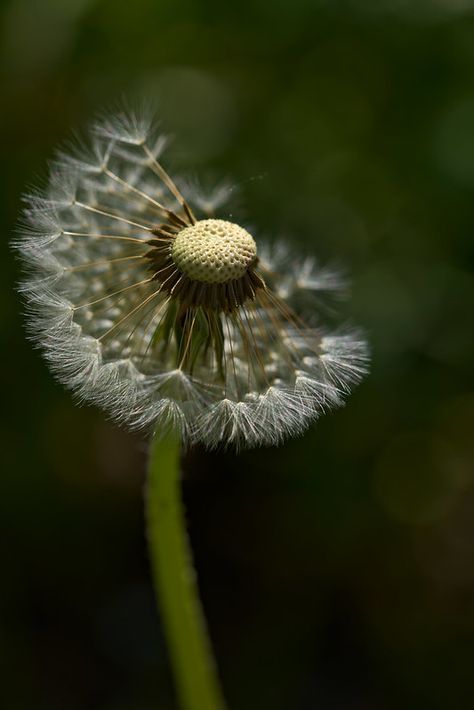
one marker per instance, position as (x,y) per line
(214,251)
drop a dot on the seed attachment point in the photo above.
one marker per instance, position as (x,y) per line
(214,251)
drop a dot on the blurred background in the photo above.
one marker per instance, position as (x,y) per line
(337,571)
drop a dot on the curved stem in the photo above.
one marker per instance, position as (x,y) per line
(175,582)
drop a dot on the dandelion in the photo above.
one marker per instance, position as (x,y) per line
(168,316)
(150,304)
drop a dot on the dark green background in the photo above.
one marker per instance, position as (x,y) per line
(337,571)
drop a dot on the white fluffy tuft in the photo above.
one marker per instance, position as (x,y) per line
(94,308)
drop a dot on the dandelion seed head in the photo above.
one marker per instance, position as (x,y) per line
(214,251)
(148,305)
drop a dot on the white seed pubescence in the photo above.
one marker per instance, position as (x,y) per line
(146,305)
(214,251)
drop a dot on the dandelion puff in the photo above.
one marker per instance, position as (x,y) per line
(207,198)
(147,304)
(133,127)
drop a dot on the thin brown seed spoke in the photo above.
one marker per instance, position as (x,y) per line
(130,313)
(163,235)
(173,273)
(250,347)
(246,347)
(135,309)
(181,339)
(113,215)
(266,334)
(105,262)
(173,288)
(290,316)
(188,339)
(163,175)
(276,328)
(166,303)
(98,235)
(122,290)
(189,212)
(313,344)
(103,307)
(255,346)
(178,221)
(209,328)
(116,293)
(288,312)
(232,357)
(159,246)
(169,229)
(140,320)
(163,306)
(137,191)
(270,334)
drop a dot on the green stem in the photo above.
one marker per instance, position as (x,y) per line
(175,582)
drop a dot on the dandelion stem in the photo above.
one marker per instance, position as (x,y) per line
(175,582)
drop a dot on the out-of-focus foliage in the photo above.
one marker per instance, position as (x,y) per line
(338,571)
